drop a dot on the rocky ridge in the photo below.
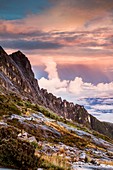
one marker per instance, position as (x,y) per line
(16,75)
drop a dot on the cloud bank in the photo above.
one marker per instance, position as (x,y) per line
(76,88)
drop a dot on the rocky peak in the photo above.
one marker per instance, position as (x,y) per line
(16,75)
(22,61)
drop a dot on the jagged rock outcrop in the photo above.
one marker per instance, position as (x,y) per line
(66,109)
(16,75)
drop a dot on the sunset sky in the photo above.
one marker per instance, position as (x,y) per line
(68,42)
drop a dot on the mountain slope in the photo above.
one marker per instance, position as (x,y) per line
(16,75)
(32,136)
(39,130)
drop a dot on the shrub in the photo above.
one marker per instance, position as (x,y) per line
(15,152)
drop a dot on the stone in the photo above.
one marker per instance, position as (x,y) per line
(32,139)
(87,159)
(82,156)
(93,161)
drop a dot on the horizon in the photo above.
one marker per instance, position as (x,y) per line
(69,45)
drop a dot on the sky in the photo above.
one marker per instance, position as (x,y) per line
(68,42)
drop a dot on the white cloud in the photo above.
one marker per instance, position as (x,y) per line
(108,101)
(72,89)
(105,117)
(103,107)
(53,83)
(51,68)
(76,86)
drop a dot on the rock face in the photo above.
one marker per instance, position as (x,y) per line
(66,109)
(16,75)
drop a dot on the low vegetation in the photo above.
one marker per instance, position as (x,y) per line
(16,153)
(99,135)
(53,163)
(20,154)
(7,106)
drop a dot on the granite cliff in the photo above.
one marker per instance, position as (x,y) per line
(16,75)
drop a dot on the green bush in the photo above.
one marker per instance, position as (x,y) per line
(15,152)
(47,112)
(8,107)
(13,108)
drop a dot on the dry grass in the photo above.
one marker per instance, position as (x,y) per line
(106,162)
(53,161)
(57,160)
(69,138)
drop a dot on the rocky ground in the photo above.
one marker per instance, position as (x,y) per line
(52,147)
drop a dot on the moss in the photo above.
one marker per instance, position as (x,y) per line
(14,97)
(7,106)
(28,104)
(14,109)
(47,112)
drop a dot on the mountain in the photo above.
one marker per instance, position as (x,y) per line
(43,117)
(16,75)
